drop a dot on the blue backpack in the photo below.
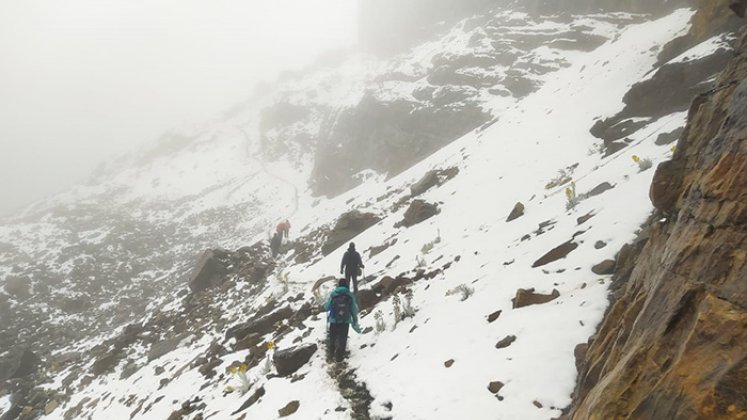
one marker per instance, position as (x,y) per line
(340,309)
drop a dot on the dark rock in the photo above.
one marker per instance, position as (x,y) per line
(667,138)
(288,361)
(431,179)
(259,393)
(18,363)
(517,212)
(599,189)
(163,347)
(209,272)
(260,326)
(418,211)
(106,363)
(585,218)
(680,306)
(557,253)
(289,409)
(505,342)
(449,363)
(604,267)
(666,185)
(527,297)
(367,299)
(495,386)
(492,317)
(348,226)
(387,137)
(537,404)
(600,244)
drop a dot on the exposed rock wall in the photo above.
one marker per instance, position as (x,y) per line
(674,343)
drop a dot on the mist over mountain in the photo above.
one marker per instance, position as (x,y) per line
(547,197)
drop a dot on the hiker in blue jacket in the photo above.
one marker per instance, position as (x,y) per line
(342,311)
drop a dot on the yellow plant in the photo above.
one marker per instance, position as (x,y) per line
(270,345)
(636,159)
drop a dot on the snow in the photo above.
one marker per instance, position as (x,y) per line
(471,243)
(703,49)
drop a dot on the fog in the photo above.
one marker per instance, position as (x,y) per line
(81,80)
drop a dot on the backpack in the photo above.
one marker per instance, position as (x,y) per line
(340,308)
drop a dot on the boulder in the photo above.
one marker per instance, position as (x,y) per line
(492,317)
(288,361)
(517,212)
(507,341)
(527,297)
(557,253)
(418,211)
(666,185)
(599,189)
(260,326)
(18,363)
(209,272)
(289,409)
(348,226)
(163,347)
(429,180)
(495,386)
(432,179)
(604,267)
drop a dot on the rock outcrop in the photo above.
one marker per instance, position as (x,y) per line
(674,344)
(288,361)
(348,226)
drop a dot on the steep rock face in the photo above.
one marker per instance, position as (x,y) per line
(674,344)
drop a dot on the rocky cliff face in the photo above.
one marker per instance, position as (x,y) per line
(674,344)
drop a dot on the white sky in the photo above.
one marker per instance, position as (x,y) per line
(83,79)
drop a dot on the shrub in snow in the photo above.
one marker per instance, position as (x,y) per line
(643,164)
(266,366)
(420,261)
(318,298)
(463,290)
(563,178)
(573,199)
(244,382)
(407,310)
(380,324)
(429,246)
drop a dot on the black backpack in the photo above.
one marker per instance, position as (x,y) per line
(340,309)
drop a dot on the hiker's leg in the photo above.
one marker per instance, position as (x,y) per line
(336,341)
(342,342)
(330,342)
(355,283)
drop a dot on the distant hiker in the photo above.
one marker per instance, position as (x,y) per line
(342,311)
(275,244)
(352,264)
(283,228)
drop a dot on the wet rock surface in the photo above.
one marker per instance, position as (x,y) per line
(674,341)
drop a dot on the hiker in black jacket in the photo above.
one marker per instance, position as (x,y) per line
(351,264)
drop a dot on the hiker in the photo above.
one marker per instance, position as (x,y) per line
(275,244)
(283,228)
(342,311)
(352,264)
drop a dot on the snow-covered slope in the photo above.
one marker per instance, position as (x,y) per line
(120,250)
(475,262)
